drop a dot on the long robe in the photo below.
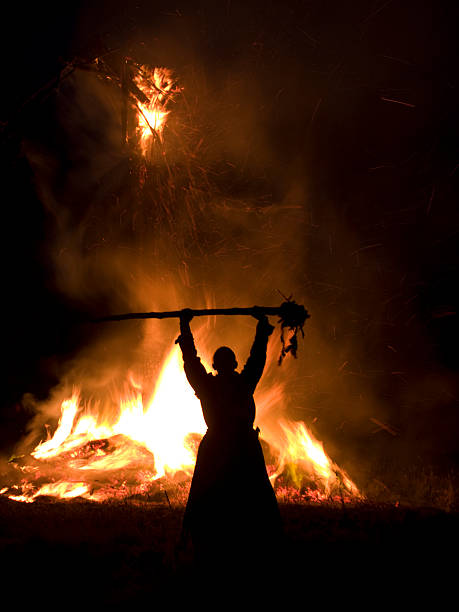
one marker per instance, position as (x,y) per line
(231,506)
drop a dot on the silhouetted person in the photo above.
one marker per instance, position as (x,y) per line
(231,514)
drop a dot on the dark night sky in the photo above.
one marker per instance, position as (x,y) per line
(384,171)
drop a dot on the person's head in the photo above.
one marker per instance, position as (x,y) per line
(224,360)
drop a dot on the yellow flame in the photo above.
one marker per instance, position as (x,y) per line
(300,448)
(69,409)
(65,490)
(173,413)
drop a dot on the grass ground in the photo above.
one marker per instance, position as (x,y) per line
(105,556)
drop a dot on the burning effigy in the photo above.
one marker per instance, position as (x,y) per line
(140,441)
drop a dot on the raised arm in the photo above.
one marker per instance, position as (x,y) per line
(253,369)
(194,370)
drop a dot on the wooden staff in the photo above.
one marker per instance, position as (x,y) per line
(292,316)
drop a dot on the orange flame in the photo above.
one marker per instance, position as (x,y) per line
(152,441)
(305,456)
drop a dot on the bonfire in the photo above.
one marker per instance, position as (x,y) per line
(141,442)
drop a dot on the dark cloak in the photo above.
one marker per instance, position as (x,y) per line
(231,506)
